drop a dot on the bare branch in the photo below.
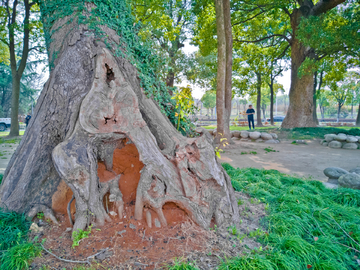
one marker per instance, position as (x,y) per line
(264,38)
(324,5)
(249,19)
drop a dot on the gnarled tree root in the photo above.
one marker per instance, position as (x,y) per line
(48,212)
(187,175)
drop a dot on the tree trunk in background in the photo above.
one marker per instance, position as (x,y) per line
(358,118)
(17,71)
(93,105)
(338,113)
(315,118)
(301,95)
(221,71)
(258,100)
(271,101)
(229,62)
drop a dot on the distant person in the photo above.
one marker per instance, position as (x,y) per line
(250,113)
(27,119)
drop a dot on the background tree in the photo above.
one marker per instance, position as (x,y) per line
(293,15)
(209,101)
(23,36)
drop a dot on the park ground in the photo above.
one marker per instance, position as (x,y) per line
(287,222)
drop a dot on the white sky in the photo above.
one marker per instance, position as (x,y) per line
(198,91)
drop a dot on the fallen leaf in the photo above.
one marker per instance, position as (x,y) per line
(350,233)
(309,266)
(316,238)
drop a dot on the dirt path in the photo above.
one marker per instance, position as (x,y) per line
(303,160)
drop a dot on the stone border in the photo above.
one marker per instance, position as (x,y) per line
(253,136)
(341,140)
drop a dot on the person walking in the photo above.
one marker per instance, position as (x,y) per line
(250,113)
(27,119)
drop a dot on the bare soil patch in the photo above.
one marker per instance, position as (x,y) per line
(141,247)
(303,160)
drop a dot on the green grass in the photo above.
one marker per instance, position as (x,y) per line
(308,226)
(2,134)
(15,250)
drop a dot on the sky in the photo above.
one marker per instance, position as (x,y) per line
(198,91)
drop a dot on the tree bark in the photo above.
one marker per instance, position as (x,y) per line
(258,100)
(93,104)
(300,110)
(315,118)
(229,62)
(271,101)
(221,71)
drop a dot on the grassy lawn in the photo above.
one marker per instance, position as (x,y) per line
(6,133)
(308,226)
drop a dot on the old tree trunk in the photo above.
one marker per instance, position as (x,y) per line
(92,108)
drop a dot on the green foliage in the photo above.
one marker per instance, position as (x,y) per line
(20,256)
(181,264)
(1,178)
(115,14)
(184,106)
(79,234)
(209,99)
(308,226)
(15,251)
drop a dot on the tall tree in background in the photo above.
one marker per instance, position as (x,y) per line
(17,69)
(224,69)
(291,14)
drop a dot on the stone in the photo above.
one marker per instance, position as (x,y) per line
(244,134)
(350,180)
(254,135)
(266,136)
(356,170)
(211,131)
(112,213)
(352,146)
(259,140)
(351,139)
(132,226)
(157,223)
(272,141)
(334,172)
(121,232)
(232,134)
(214,132)
(329,137)
(274,135)
(341,137)
(35,228)
(236,133)
(325,143)
(335,144)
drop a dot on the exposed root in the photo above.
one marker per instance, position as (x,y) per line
(69,212)
(48,212)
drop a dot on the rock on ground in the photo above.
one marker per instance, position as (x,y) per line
(351,139)
(334,173)
(254,135)
(244,134)
(274,135)
(341,137)
(266,136)
(329,137)
(352,146)
(236,134)
(356,170)
(350,180)
(335,144)
(272,141)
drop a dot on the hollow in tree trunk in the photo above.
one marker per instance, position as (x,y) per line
(92,107)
